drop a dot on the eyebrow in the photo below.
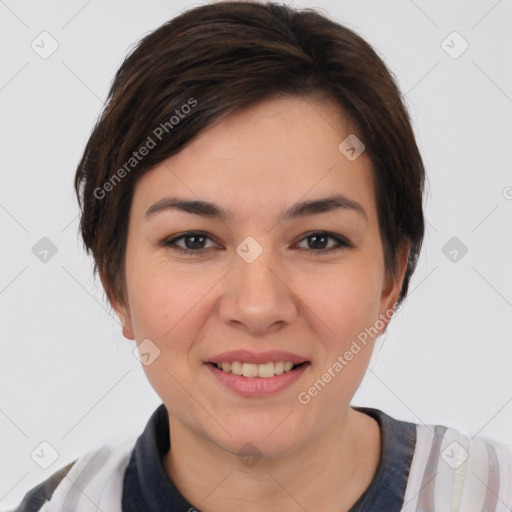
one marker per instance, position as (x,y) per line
(301,209)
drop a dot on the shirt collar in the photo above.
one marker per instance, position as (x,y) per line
(147,486)
(387,489)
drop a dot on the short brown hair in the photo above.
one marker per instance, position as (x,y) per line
(225,56)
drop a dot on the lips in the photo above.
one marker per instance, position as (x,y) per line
(253,386)
(252,373)
(245,356)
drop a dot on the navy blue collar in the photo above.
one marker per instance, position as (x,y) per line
(387,489)
(147,486)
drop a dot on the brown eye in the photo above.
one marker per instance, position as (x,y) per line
(318,242)
(194,242)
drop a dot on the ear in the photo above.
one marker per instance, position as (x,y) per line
(122,311)
(393,284)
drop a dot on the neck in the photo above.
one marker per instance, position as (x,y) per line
(328,474)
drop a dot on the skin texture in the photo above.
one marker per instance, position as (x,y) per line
(256,163)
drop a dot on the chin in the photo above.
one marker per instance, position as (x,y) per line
(270,439)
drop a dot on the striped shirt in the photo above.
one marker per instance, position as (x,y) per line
(422,468)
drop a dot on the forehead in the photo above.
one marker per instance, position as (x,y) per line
(270,154)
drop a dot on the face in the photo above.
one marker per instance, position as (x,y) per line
(252,274)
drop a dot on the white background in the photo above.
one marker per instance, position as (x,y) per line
(68,376)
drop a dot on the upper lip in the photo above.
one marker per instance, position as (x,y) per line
(245,356)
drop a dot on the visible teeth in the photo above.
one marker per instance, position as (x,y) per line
(264,370)
(279,368)
(249,370)
(236,368)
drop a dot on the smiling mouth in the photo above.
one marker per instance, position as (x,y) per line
(252,370)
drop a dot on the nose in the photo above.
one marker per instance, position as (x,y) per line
(257,296)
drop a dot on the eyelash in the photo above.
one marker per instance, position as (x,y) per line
(342,242)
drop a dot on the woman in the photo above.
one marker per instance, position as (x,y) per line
(252,198)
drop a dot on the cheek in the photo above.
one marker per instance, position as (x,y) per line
(347,304)
(345,299)
(166,309)
(165,304)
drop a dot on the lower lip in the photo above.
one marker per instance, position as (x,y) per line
(257,386)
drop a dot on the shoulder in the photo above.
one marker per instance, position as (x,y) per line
(37,496)
(450,467)
(100,473)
